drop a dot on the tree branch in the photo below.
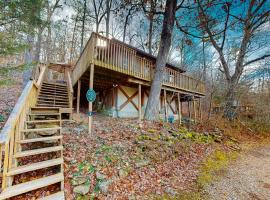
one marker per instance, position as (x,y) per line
(257,59)
(180,5)
(225,27)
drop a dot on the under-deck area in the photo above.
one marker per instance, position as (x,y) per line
(121,95)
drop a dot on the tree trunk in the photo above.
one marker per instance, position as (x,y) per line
(97,25)
(48,44)
(150,34)
(38,45)
(83,24)
(152,112)
(72,49)
(229,109)
(108,12)
(28,58)
(125,28)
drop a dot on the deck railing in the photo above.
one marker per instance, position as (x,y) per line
(116,56)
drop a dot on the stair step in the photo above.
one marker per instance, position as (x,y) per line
(40,129)
(38,151)
(52,95)
(43,121)
(43,114)
(35,166)
(59,106)
(56,103)
(54,85)
(52,98)
(53,90)
(44,108)
(56,196)
(40,139)
(30,186)
(60,84)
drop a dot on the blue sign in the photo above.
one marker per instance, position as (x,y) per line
(91,95)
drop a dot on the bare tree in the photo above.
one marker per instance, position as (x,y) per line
(254,17)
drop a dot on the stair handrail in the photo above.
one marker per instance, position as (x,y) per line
(13,126)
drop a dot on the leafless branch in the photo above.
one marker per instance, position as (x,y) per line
(257,59)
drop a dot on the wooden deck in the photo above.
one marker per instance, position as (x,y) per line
(114,55)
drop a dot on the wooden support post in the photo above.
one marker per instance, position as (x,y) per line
(140,101)
(165,105)
(78,96)
(189,110)
(200,110)
(179,109)
(194,109)
(91,85)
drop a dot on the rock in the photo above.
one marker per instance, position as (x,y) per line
(142,163)
(79,181)
(131,197)
(100,176)
(104,186)
(122,173)
(170,191)
(81,189)
(78,129)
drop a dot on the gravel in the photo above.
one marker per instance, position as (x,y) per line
(247,179)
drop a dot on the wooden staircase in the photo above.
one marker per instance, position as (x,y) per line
(53,95)
(41,140)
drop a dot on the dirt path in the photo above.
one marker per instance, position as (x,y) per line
(248,179)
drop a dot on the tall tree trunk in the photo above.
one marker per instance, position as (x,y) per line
(72,49)
(108,12)
(125,28)
(48,44)
(229,109)
(97,25)
(28,58)
(38,45)
(204,62)
(152,112)
(83,24)
(150,34)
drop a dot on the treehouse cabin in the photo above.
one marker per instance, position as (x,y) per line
(121,77)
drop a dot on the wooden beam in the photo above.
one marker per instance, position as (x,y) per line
(140,101)
(179,109)
(91,86)
(165,105)
(189,110)
(78,96)
(200,110)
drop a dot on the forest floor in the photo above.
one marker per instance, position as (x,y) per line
(129,160)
